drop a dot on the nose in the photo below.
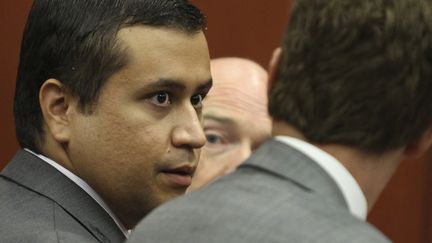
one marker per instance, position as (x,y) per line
(188,131)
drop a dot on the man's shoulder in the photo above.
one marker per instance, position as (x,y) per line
(35,236)
(245,208)
(184,221)
(28,216)
(16,197)
(22,202)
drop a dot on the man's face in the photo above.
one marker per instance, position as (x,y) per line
(235,118)
(141,144)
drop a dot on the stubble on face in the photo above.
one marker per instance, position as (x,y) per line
(126,148)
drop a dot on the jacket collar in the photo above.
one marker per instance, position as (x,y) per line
(31,172)
(286,162)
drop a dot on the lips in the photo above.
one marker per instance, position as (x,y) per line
(179,176)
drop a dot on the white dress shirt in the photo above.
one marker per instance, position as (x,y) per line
(351,190)
(85,187)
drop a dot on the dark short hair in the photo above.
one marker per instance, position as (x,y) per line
(76,43)
(356,73)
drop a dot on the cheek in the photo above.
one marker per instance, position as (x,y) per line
(130,130)
(207,170)
(136,144)
(117,155)
(237,157)
(119,142)
(229,158)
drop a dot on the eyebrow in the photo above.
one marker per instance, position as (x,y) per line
(177,85)
(223,120)
(205,87)
(166,84)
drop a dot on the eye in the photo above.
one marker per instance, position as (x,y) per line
(217,143)
(196,100)
(161,99)
(213,138)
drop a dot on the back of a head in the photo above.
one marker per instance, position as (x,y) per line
(357,73)
(76,43)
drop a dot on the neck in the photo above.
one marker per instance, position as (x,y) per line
(55,151)
(371,171)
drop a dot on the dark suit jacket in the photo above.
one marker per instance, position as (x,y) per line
(278,195)
(40,204)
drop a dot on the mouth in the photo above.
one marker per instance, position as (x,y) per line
(179,176)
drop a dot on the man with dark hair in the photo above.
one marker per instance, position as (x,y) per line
(108,115)
(350,99)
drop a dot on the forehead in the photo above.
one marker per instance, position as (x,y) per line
(239,74)
(155,53)
(239,89)
(237,104)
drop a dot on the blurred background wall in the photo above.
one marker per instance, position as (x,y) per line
(244,28)
(12,20)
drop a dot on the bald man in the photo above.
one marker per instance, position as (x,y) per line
(235,117)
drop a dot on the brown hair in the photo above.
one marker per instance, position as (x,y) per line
(356,72)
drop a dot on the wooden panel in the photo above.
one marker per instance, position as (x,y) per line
(402,210)
(12,20)
(245,28)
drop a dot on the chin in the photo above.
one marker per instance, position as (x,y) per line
(173,194)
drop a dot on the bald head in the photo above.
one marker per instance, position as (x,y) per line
(235,117)
(240,85)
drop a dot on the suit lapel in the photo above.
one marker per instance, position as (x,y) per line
(40,177)
(284,161)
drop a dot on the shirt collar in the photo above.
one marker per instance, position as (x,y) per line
(351,190)
(85,187)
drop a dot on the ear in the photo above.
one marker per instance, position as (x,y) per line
(54,103)
(273,65)
(420,146)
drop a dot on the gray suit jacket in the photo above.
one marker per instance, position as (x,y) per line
(40,204)
(278,195)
